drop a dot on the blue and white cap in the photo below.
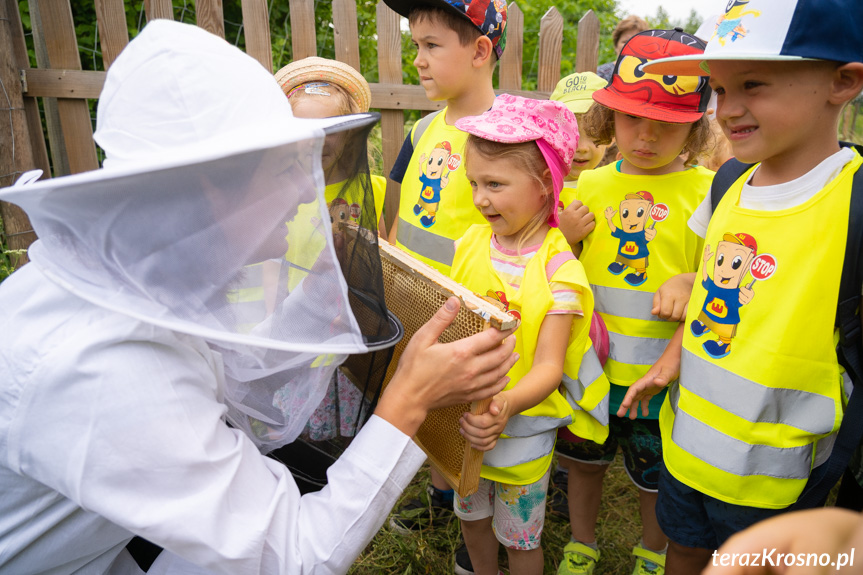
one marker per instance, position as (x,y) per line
(776,30)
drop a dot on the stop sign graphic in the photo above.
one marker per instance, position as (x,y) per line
(763,267)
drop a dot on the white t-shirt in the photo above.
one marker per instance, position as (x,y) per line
(111,427)
(780,196)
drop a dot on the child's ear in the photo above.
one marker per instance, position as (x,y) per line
(483,50)
(847,83)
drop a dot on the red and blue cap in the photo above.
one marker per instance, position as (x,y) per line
(665,98)
(489,16)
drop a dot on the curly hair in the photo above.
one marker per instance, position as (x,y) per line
(599,125)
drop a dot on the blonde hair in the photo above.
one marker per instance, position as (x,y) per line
(526,157)
(599,126)
(347,105)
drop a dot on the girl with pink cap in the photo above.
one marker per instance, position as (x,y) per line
(516,158)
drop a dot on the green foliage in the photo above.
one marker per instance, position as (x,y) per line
(9,259)
(662,20)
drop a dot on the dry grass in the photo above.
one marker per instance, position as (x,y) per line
(431,552)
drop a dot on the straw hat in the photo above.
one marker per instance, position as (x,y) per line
(316,69)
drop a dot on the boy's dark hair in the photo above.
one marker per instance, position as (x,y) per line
(466,30)
(599,126)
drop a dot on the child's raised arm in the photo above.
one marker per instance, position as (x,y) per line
(664,371)
(543,378)
(576,222)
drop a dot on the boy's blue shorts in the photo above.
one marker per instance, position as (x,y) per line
(693,519)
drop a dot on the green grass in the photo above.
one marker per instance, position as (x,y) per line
(430,552)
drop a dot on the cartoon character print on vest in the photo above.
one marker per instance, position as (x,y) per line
(498,298)
(634,234)
(735,255)
(434,177)
(730,24)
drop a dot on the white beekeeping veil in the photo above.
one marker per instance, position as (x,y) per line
(209,218)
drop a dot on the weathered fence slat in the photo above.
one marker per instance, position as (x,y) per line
(550,45)
(158,9)
(16,153)
(392,121)
(256,25)
(113,33)
(62,49)
(587,46)
(303,41)
(210,16)
(346,37)
(511,62)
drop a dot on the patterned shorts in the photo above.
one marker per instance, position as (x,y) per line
(640,442)
(518,511)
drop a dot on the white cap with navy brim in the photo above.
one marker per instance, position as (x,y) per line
(776,30)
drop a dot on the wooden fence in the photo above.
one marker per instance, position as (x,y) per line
(65,87)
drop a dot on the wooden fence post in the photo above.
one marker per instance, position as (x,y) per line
(550,45)
(113,33)
(511,62)
(392,121)
(210,15)
(62,48)
(256,24)
(158,9)
(303,42)
(16,150)
(587,47)
(346,37)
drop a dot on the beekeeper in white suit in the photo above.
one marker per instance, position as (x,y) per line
(120,354)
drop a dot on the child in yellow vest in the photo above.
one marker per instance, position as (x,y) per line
(517,155)
(457,45)
(641,204)
(760,395)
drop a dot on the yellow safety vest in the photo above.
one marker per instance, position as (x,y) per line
(760,393)
(436,205)
(524,451)
(611,259)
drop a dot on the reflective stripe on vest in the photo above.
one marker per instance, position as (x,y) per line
(509,452)
(810,412)
(425,243)
(589,373)
(635,350)
(733,455)
(626,303)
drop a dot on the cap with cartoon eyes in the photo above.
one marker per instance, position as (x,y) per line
(665,98)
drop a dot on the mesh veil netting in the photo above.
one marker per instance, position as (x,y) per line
(211,218)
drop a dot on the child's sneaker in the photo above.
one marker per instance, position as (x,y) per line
(578,559)
(616,268)
(423,513)
(648,562)
(462,566)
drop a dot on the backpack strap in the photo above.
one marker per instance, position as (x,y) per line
(850,353)
(421,126)
(726,175)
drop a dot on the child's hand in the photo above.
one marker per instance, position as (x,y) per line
(576,222)
(609,213)
(664,371)
(649,234)
(671,300)
(653,382)
(746,295)
(482,431)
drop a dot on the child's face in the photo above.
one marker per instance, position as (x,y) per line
(649,147)
(731,264)
(444,65)
(313,106)
(587,155)
(508,197)
(775,112)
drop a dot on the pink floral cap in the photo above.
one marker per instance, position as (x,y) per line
(513,119)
